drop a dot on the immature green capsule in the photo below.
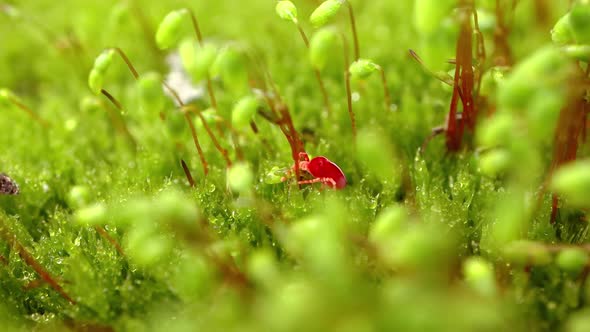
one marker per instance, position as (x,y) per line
(389,223)
(104,60)
(562,32)
(494,162)
(496,130)
(95,81)
(170,28)
(572,260)
(92,215)
(541,71)
(230,66)
(580,23)
(187,50)
(479,275)
(274,176)
(202,62)
(262,267)
(572,181)
(244,111)
(320,47)
(90,104)
(240,178)
(78,197)
(11,11)
(490,80)
(287,11)
(177,209)
(325,12)
(150,91)
(363,68)
(6,96)
(428,14)
(146,245)
(197,60)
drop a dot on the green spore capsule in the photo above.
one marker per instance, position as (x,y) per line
(389,223)
(562,32)
(170,28)
(240,178)
(120,13)
(490,80)
(263,268)
(104,60)
(92,215)
(90,104)
(579,321)
(197,60)
(320,47)
(244,111)
(146,245)
(325,12)
(78,196)
(572,181)
(150,91)
(542,71)
(494,162)
(363,68)
(203,61)
(6,96)
(187,50)
(572,260)
(428,14)
(496,130)
(275,175)
(287,11)
(175,208)
(580,23)
(479,275)
(10,11)
(230,66)
(95,81)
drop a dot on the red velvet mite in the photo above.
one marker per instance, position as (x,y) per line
(323,170)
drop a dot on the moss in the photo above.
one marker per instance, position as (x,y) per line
(107,231)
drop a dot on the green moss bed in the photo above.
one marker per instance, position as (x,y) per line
(150,159)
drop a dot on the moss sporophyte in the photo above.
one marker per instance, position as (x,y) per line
(240,181)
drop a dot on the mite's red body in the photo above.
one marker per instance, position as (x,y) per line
(323,170)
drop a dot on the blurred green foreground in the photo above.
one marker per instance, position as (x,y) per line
(144,207)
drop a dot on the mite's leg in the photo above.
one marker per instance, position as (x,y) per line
(327,181)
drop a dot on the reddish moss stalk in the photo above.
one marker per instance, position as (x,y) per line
(127,62)
(192,128)
(33,263)
(386,95)
(29,111)
(347,85)
(462,87)
(357,52)
(187,173)
(222,151)
(119,123)
(571,129)
(105,235)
